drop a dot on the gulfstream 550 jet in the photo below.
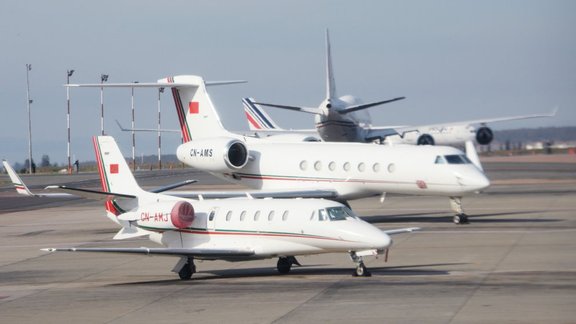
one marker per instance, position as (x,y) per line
(339,171)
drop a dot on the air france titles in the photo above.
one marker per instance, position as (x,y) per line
(201,152)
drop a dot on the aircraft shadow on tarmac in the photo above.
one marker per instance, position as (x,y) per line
(298,272)
(440,217)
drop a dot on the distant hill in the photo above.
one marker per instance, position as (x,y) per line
(554,134)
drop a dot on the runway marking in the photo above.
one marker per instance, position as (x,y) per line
(424,231)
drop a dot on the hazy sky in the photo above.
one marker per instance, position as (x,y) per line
(453,60)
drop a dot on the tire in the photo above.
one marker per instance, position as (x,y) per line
(186,272)
(284,265)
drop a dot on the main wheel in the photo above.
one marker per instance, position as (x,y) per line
(284,265)
(186,272)
(461,219)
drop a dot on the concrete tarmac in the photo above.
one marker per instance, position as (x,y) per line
(515,263)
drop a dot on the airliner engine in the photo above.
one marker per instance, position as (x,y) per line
(214,155)
(484,135)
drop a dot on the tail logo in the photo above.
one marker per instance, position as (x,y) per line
(113,168)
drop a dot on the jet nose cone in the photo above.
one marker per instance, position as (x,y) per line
(380,240)
(473,180)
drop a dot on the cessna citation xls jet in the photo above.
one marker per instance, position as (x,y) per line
(338,171)
(345,119)
(237,229)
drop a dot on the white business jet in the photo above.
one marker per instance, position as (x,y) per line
(339,171)
(237,229)
(345,119)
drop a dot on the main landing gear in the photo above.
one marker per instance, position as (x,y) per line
(460,217)
(285,264)
(185,268)
(361,270)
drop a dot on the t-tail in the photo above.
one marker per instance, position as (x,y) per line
(257,118)
(330,81)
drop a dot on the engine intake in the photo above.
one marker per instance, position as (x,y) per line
(484,135)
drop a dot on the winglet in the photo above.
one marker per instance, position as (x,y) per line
(20,186)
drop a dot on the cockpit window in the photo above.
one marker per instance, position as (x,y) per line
(339,213)
(440,160)
(457,159)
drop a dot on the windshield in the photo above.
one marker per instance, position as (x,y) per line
(339,213)
(457,159)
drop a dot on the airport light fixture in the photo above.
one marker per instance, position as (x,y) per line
(68,75)
(133,132)
(29,101)
(160,91)
(103,78)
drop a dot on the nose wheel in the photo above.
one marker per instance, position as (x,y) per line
(361,270)
(460,217)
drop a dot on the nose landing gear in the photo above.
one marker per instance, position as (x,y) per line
(361,270)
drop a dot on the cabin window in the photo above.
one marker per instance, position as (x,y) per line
(303,165)
(317,165)
(457,159)
(376,167)
(228,215)
(440,160)
(211,216)
(257,215)
(332,166)
(361,167)
(346,166)
(285,216)
(322,216)
(243,215)
(271,215)
(391,167)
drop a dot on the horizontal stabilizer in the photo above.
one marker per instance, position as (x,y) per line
(87,193)
(308,110)
(150,85)
(173,186)
(368,105)
(161,130)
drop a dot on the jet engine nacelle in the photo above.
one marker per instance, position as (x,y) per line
(214,155)
(165,215)
(484,135)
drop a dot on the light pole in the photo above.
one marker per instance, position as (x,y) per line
(160,91)
(28,69)
(68,75)
(103,78)
(133,133)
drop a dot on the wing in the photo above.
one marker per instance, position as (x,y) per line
(406,129)
(327,194)
(401,230)
(200,253)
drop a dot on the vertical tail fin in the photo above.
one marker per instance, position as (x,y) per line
(196,112)
(115,174)
(330,82)
(20,186)
(257,118)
